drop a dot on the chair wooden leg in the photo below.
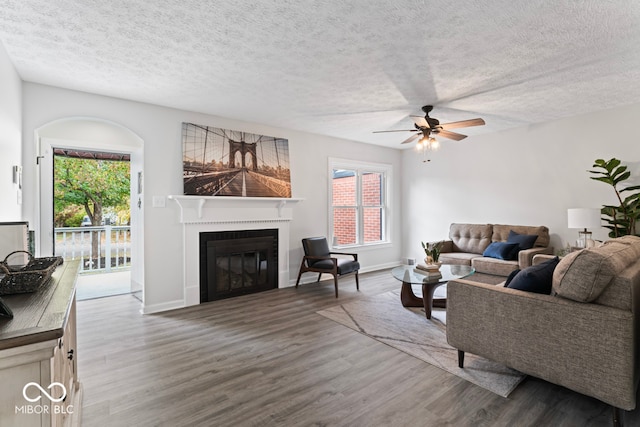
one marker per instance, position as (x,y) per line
(617,419)
(460,359)
(357,282)
(298,281)
(319,276)
(335,280)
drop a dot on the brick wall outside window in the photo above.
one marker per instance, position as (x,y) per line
(345,219)
(371,196)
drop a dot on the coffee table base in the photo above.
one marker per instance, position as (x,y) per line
(409,299)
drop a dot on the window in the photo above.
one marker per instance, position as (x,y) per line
(358,194)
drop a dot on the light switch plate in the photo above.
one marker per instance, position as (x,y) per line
(159,201)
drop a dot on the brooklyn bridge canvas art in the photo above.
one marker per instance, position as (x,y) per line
(222,162)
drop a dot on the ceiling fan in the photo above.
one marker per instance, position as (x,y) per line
(427,127)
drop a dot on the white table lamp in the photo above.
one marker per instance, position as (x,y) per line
(584,218)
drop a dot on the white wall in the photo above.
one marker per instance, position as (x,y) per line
(527,176)
(10,138)
(160,129)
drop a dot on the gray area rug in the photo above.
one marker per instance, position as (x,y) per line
(383,318)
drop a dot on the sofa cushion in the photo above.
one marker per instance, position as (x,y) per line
(502,250)
(497,267)
(501,233)
(457,258)
(619,293)
(472,238)
(537,278)
(584,275)
(524,241)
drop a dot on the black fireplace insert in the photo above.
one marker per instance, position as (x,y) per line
(234,263)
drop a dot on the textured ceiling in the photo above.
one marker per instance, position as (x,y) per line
(336,67)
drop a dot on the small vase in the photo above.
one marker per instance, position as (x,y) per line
(435,265)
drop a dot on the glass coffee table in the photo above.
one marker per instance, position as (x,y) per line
(408,276)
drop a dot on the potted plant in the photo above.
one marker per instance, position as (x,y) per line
(621,219)
(432,250)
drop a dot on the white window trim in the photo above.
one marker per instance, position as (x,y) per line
(360,166)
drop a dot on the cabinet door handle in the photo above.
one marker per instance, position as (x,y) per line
(70,354)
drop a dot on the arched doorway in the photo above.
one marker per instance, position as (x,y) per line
(96,135)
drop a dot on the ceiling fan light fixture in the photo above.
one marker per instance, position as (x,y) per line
(433,144)
(428,126)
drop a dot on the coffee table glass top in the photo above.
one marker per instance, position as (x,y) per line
(407,274)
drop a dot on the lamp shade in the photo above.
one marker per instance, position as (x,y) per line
(584,218)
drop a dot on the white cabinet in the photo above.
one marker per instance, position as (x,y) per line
(38,355)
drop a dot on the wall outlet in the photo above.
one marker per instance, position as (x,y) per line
(159,201)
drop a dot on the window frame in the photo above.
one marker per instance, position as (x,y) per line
(360,168)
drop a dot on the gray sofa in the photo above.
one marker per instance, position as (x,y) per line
(467,242)
(584,336)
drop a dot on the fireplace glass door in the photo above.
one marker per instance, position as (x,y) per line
(239,266)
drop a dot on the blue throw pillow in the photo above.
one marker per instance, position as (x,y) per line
(526,241)
(511,276)
(537,278)
(501,250)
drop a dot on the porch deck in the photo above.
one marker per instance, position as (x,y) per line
(98,285)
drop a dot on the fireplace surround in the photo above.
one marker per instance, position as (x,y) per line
(213,214)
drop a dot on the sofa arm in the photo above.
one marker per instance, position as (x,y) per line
(525,257)
(447,246)
(588,348)
(540,258)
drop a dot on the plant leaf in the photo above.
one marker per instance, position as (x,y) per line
(612,164)
(624,176)
(618,171)
(605,179)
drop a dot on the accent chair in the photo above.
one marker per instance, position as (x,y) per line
(318,259)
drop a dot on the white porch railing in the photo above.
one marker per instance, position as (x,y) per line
(113,250)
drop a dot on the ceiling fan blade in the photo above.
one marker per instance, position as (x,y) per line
(420,121)
(399,130)
(411,138)
(463,124)
(451,135)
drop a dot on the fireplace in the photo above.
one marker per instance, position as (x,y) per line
(213,214)
(234,263)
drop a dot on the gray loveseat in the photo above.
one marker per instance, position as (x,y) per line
(467,242)
(584,336)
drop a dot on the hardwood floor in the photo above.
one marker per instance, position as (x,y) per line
(269,359)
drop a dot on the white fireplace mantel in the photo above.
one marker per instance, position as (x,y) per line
(196,204)
(201,214)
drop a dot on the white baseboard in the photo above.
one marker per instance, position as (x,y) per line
(312,277)
(381,266)
(165,306)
